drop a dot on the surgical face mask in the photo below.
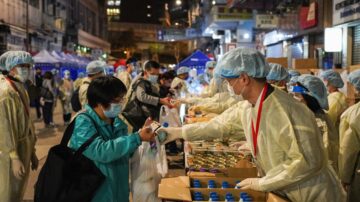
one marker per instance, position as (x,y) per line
(231,90)
(153,78)
(114,111)
(22,73)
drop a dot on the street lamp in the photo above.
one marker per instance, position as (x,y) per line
(178,2)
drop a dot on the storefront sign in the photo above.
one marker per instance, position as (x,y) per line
(345,11)
(222,13)
(264,21)
(308,16)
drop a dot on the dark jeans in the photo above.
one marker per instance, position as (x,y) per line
(47,112)
(67,117)
(38,107)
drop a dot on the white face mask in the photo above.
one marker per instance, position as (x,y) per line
(22,73)
(233,94)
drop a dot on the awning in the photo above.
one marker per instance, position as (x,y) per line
(91,41)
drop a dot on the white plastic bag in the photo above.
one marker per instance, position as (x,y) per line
(170,116)
(148,166)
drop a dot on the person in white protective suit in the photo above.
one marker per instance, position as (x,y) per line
(179,85)
(17,139)
(336,99)
(311,91)
(282,134)
(278,76)
(349,155)
(212,88)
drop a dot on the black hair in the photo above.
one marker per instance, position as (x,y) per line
(173,73)
(48,75)
(131,60)
(151,64)
(311,102)
(103,90)
(166,76)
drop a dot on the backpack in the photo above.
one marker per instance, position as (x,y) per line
(46,94)
(75,100)
(67,175)
(136,112)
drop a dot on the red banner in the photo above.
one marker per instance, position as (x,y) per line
(308,16)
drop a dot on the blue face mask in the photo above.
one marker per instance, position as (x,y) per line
(114,111)
(153,78)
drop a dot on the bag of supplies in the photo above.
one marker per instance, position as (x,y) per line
(148,166)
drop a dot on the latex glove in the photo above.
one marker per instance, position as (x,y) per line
(34,161)
(236,145)
(146,133)
(18,168)
(173,133)
(250,183)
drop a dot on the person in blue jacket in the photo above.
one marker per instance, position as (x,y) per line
(111,150)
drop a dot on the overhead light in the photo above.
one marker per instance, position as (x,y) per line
(333,40)
(149,15)
(172,40)
(246,36)
(178,2)
(176,24)
(213,2)
(148,6)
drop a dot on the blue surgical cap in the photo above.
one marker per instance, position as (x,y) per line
(243,60)
(95,67)
(14,58)
(354,79)
(81,75)
(3,60)
(277,73)
(293,80)
(316,89)
(294,73)
(210,64)
(333,77)
(183,70)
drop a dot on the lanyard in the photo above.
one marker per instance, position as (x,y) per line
(22,99)
(256,132)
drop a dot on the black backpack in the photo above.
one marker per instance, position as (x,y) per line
(67,175)
(46,94)
(136,112)
(75,101)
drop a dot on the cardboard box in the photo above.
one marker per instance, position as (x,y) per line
(255,195)
(304,63)
(177,189)
(228,172)
(282,61)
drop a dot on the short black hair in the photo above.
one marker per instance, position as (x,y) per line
(311,102)
(167,76)
(131,60)
(151,64)
(103,90)
(48,75)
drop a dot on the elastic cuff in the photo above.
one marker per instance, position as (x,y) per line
(137,138)
(13,155)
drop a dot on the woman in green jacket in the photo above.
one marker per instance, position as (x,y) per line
(111,150)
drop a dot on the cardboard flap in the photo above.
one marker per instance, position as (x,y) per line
(271,197)
(174,193)
(181,181)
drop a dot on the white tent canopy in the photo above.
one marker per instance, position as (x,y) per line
(45,57)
